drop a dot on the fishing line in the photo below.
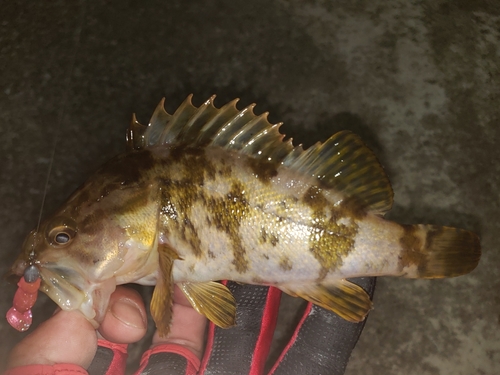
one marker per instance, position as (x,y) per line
(64,105)
(19,316)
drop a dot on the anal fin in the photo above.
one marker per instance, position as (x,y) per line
(213,300)
(343,297)
(162,300)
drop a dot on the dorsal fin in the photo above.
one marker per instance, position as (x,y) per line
(226,127)
(342,163)
(345,164)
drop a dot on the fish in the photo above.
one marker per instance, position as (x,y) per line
(209,194)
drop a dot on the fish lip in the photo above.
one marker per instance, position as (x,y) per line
(86,308)
(63,285)
(95,305)
(70,290)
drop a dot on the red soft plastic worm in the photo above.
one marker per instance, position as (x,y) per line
(19,315)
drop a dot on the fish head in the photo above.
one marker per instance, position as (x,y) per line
(76,267)
(102,236)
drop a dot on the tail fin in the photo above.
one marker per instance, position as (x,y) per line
(438,252)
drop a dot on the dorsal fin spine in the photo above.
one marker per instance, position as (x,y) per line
(158,123)
(135,134)
(198,120)
(220,117)
(178,121)
(227,133)
(246,133)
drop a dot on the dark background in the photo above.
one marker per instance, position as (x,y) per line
(419,81)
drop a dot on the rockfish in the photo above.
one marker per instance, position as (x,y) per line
(211,194)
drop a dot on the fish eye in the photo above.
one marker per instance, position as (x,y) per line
(62,238)
(61,232)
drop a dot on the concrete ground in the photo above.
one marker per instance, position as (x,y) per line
(419,81)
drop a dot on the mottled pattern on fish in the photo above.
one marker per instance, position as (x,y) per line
(210,194)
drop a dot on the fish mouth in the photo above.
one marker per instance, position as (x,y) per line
(71,291)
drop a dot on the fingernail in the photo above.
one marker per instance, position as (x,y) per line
(127,312)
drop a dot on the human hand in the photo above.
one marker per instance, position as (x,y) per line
(322,342)
(67,343)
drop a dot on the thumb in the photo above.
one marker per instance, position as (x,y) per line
(67,337)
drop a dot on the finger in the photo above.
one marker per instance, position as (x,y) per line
(322,342)
(180,351)
(67,337)
(187,328)
(243,349)
(124,323)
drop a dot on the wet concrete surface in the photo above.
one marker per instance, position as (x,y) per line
(418,81)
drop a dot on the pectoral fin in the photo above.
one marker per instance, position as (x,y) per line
(161,302)
(213,300)
(343,297)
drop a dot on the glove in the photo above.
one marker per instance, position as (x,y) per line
(321,344)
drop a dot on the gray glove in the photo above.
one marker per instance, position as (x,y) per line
(321,344)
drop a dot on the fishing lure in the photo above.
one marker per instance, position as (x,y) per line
(19,315)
